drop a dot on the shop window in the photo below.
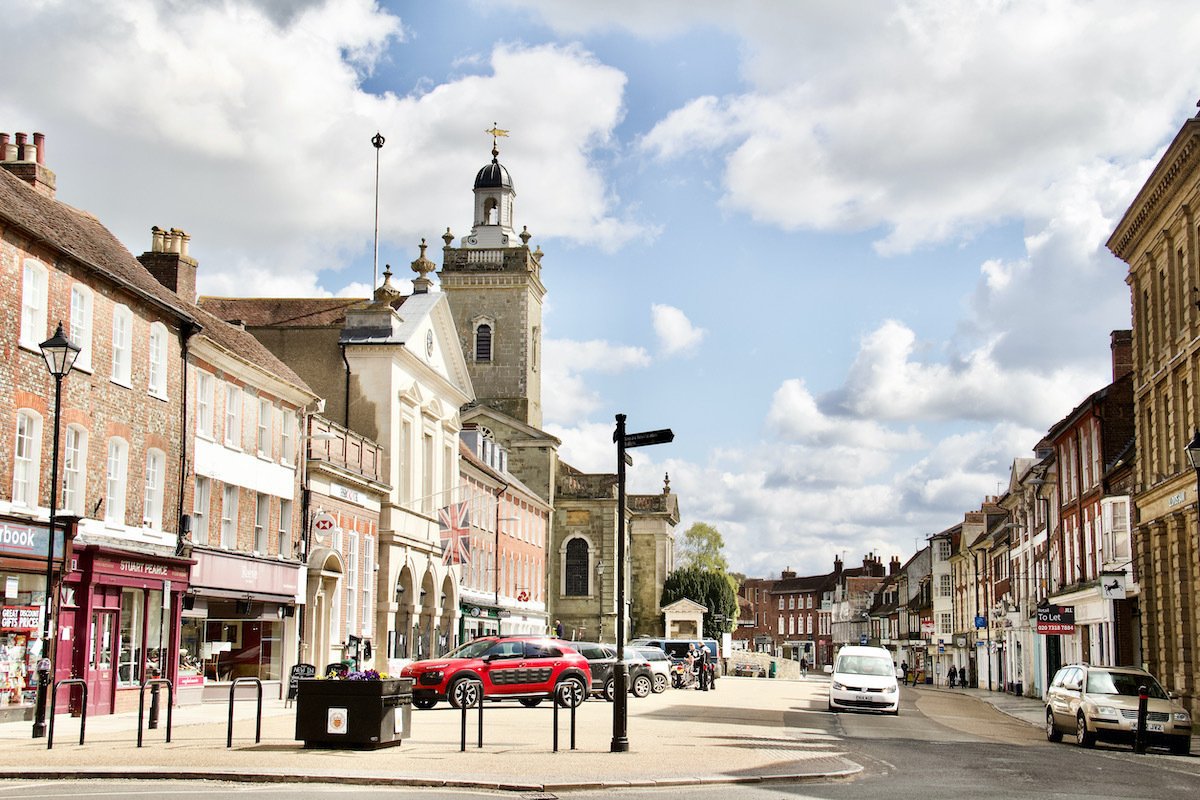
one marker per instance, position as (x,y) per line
(141,637)
(236,644)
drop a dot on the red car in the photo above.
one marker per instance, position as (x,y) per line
(526,668)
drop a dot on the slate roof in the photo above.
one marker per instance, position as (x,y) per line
(291,312)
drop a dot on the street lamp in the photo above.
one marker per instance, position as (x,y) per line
(60,354)
(620,741)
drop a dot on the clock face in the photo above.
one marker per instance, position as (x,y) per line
(429,344)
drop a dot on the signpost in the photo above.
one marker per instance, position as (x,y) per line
(620,739)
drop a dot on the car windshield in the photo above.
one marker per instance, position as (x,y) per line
(1123,683)
(473,649)
(864,665)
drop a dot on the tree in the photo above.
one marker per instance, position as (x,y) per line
(702,547)
(710,589)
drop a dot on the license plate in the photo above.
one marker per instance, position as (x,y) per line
(863,698)
(1154,727)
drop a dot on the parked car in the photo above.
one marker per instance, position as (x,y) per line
(526,668)
(864,678)
(660,666)
(1101,703)
(603,657)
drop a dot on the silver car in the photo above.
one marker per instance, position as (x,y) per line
(1101,703)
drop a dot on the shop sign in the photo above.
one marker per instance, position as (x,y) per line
(28,540)
(346,494)
(324,525)
(927,625)
(21,618)
(1056,619)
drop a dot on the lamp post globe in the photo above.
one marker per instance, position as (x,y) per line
(60,354)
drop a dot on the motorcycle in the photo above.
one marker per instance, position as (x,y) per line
(682,677)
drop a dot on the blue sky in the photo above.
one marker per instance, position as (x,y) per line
(852,253)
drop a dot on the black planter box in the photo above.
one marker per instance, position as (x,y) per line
(359,715)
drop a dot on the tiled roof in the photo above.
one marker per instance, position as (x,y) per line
(293,312)
(81,237)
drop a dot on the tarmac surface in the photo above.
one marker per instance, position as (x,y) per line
(735,734)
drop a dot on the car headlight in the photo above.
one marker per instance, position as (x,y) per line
(1107,711)
(893,688)
(838,686)
(1181,716)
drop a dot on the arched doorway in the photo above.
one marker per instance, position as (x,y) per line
(324,599)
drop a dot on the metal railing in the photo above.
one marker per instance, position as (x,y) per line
(258,717)
(569,693)
(80,682)
(471,690)
(155,682)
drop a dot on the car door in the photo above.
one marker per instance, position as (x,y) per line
(1061,696)
(540,660)
(502,667)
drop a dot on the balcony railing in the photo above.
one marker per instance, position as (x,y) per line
(331,443)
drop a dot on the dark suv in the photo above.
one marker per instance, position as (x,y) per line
(603,657)
(526,668)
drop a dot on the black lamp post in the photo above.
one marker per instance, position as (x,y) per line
(60,354)
(620,741)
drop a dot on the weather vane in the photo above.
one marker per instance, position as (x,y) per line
(496,132)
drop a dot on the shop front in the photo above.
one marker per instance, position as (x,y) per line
(23,551)
(119,622)
(239,622)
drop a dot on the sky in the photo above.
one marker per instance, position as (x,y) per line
(851,253)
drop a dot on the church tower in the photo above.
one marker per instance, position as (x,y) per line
(493,283)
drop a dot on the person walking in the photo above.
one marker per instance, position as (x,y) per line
(558,628)
(702,660)
(904,671)
(953,675)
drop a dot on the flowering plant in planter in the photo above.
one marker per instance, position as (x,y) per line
(365,675)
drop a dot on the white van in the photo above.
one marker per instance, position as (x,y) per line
(864,678)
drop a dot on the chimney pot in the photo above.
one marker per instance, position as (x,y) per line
(32,154)
(39,141)
(20,147)
(3,147)
(156,239)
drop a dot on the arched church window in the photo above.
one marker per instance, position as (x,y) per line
(483,343)
(576,569)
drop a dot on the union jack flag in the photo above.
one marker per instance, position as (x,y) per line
(454,522)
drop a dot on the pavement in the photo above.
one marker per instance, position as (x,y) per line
(735,734)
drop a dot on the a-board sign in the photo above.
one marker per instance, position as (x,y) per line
(299,671)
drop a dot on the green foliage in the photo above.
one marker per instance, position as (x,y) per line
(711,589)
(701,547)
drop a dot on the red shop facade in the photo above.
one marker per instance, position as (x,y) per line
(119,623)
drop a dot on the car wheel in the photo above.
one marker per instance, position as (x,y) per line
(1181,745)
(1053,734)
(610,690)
(570,692)
(463,692)
(530,702)
(424,702)
(642,686)
(1083,737)
(660,683)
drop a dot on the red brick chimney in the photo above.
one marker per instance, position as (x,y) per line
(1122,354)
(168,261)
(25,160)
(894,565)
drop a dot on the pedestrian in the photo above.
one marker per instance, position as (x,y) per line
(953,674)
(558,628)
(702,660)
(804,666)
(904,670)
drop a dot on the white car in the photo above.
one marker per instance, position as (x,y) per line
(864,678)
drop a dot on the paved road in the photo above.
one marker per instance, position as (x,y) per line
(942,744)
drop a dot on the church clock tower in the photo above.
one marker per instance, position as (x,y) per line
(493,283)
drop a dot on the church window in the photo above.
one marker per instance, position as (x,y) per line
(483,343)
(576,573)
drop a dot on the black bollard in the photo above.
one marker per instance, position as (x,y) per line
(153,723)
(1139,741)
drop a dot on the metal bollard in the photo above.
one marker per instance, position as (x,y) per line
(565,694)
(1139,741)
(478,685)
(153,722)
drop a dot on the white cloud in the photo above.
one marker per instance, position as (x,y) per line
(676,333)
(566,398)
(262,106)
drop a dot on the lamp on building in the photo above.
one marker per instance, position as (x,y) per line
(60,354)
